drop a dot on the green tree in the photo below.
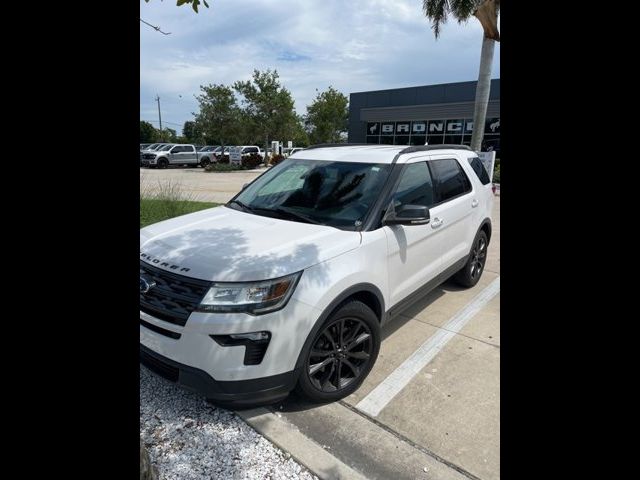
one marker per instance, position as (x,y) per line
(148,134)
(297,133)
(168,135)
(194,3)
(219,115)
(486,11)
(268,106)
(327,116)
(190,132)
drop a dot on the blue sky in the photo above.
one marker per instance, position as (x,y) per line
(353,45)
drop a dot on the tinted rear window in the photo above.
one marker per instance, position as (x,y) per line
(481,172)
(449,179)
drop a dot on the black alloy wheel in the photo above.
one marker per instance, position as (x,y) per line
(340,355)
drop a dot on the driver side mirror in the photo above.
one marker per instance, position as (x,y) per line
(406,215)
(245,186)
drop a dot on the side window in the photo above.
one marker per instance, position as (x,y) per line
(415,187)
(481,172)
(189,149)
(449,178)
(177,150)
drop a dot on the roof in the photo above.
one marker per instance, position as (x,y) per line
(371,153)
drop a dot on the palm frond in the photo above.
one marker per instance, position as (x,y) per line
(463,9)
(436,11)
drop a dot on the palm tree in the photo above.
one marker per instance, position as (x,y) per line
(486,11)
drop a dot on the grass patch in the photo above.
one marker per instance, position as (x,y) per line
(153,210)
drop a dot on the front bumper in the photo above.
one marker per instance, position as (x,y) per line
(192,348)
(235,394)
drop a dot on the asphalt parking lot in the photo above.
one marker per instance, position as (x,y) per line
(430,408)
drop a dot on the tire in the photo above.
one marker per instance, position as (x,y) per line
(204,162)
(470,274)
(330,372)
(163,163)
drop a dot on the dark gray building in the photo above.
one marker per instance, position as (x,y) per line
(415,115)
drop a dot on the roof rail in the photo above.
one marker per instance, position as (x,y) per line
(426,148)
(325,145)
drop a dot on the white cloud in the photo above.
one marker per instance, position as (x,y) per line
(355,46)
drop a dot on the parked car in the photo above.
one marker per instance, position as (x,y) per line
(218,153)
(237,153)
(150,147)
(290,151)
(208,148)
(175,154)
(288,284)
(143,146)
(153,147)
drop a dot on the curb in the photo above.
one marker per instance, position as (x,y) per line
(304,450)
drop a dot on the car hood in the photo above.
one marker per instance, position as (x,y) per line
(223,244)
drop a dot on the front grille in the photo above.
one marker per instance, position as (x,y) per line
(159,367)
(174,297)
(148,156)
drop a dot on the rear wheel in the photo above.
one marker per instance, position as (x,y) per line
(204,162)
(341,354)
(470,274)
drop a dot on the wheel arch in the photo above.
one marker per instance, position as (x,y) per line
(486,227)
(367,293)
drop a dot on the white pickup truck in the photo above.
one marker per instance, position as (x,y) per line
(175,154)
(237,153)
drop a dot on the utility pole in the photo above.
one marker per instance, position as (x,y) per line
(159,117)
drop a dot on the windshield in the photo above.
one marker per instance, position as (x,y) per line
(165,148)
(338,194)
(152,146)
(207,149)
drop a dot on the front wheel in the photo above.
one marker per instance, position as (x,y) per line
(163,163)
(470,274)
(341,354)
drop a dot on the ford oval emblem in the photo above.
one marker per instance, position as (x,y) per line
(146,284)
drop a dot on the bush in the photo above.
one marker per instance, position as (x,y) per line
(223,167)
(276,159)
(251,161)
(496,173)
(222,159)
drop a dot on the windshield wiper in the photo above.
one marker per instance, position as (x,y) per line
(297,215)
(279,210)
(244,207)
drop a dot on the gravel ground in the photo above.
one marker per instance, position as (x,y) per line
(190,439)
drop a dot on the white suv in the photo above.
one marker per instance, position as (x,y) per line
(288,284)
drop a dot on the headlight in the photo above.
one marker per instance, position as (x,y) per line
(252,297)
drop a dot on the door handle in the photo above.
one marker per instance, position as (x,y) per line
(474,203)
(437,222)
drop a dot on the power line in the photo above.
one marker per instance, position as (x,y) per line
(157,29)
(164,121)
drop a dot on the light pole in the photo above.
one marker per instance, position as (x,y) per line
(160,118)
